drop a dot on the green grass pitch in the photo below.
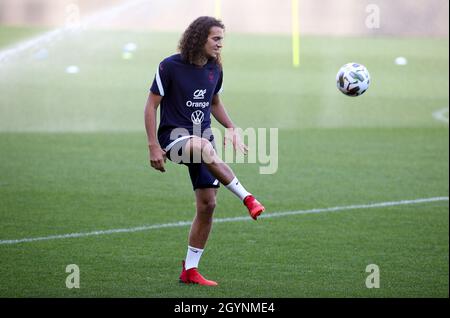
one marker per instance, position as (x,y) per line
(74,160)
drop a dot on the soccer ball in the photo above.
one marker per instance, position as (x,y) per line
(353,79)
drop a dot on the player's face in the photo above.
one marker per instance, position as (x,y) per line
(214,43)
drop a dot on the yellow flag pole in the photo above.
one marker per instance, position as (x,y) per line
(295,34)
(218,9)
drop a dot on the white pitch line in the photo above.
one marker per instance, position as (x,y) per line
(439,115)
(223,220)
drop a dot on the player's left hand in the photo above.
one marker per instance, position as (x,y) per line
(232,134)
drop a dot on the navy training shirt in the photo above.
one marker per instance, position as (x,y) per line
(187,91)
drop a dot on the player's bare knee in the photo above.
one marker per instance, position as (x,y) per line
(208,151)
(196,144)
(207,206)
(206,144)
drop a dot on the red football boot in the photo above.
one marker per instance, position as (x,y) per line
(254,207)
(183,275)
(192,276)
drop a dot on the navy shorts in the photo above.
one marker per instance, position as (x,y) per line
(201,178)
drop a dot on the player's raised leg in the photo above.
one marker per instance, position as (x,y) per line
(203,149)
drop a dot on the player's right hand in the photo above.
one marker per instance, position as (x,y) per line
(157,157)
(232,134)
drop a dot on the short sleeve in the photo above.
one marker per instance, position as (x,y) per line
(161,82)
(219,86)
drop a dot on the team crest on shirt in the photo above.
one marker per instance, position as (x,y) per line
(197,117)
(200,94)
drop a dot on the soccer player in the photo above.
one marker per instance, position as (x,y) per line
(188,86)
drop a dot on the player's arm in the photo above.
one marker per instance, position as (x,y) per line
(157,155)
(219,112)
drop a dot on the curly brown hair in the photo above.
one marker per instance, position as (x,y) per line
(192,42)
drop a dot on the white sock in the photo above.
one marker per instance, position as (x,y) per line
(236,187)
(192,257)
